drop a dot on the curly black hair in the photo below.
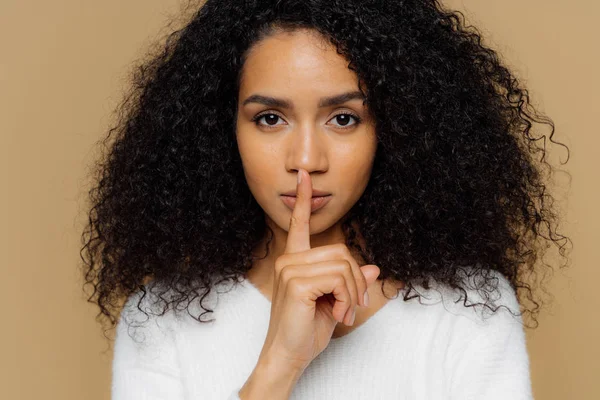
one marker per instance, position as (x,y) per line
(456,166)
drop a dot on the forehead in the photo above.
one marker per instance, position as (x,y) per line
(301,62)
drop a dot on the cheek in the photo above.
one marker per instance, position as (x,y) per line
(355,169)
(250,152)
(256,161)
(358,159)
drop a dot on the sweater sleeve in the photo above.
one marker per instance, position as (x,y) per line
(145,364)
(493,362)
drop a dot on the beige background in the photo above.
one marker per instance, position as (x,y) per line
(63,65)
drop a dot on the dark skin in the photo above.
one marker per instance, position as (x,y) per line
(329,142)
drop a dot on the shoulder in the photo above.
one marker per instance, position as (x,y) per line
(484,317)
(144,322)
(484,302)
(487,352)
(491,297)
(159,311)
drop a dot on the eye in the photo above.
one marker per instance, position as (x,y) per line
(272,117)
(345,119)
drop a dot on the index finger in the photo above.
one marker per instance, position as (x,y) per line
(298,238)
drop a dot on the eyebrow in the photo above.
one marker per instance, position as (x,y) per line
(285,103)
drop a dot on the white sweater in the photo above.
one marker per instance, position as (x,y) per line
(433,349)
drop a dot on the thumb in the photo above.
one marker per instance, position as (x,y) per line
(371,272)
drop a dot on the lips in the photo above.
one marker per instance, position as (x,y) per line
(315,193)
(316,202)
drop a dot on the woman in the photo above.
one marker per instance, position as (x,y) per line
(293,166)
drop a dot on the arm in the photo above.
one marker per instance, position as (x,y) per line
(493,366)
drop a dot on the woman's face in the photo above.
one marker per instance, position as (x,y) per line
(328,141)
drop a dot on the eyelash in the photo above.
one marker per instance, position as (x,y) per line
(259,116)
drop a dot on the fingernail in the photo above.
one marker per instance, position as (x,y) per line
(353,316)
(366,299)
(299,176)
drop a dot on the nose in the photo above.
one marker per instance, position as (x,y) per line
(307,149)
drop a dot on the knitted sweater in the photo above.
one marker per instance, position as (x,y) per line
(435,348)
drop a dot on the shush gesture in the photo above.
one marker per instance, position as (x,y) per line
(313,289)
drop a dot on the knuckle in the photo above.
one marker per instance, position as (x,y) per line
(348,265)
(342,249)
(286,275)
(339,280)
(344,265)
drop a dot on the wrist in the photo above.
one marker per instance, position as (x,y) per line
(273,377)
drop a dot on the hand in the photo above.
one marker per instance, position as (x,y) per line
(313,290)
